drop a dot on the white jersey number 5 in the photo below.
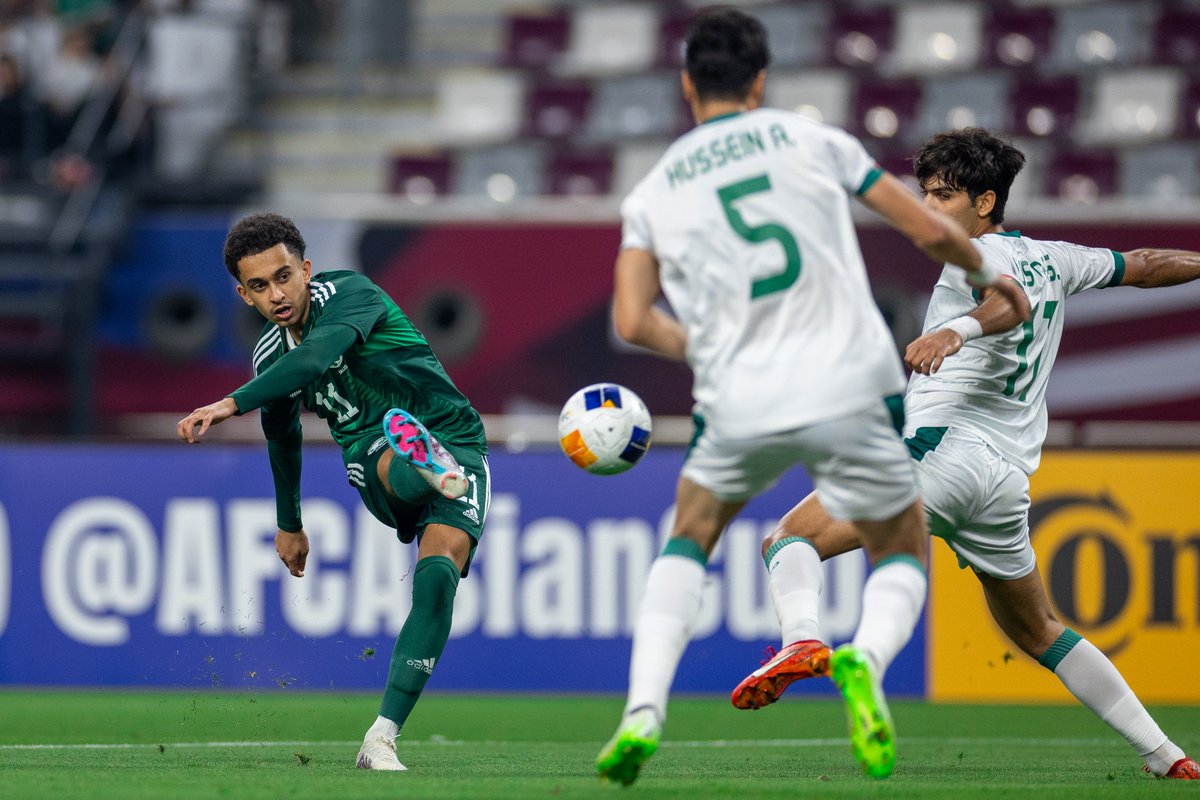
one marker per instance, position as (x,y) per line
(757,234)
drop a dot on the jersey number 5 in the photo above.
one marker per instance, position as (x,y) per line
(757,234)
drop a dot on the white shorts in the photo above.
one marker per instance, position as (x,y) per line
(858,464)
(978,503)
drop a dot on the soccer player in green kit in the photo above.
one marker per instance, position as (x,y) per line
(413,446)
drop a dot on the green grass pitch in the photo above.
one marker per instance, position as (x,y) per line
(302,745)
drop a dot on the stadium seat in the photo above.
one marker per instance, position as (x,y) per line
(1102,34)
(1030,181)
(612,38)
(1082,176)
(936,37)
(535,41)
(479,107)
(1132,106)
(978,99)
(885,109)
(503,173)
(798,32)
(860,37)
(672,36)
(822,95)
(896,159)
(1044,107)
(1017,37)
(557,109)
(1165,171)
(1190,110)
(421,178)
(633,161)
(644,105)
(1177,37)
(580,174)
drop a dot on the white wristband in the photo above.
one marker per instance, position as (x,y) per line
(986,275)
(965,326)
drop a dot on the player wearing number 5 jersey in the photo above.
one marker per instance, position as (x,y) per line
(745,226)
(414,448)
(976,423)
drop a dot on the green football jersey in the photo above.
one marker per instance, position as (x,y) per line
(389,365)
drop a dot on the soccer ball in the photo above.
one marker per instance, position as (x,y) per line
(604,428)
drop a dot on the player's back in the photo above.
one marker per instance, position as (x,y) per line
(749,218)
(996,385)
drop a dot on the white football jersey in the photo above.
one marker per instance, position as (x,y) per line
(748,216)
(996,385)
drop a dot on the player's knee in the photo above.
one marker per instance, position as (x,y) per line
(772,538)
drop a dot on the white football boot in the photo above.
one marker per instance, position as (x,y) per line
(379,752)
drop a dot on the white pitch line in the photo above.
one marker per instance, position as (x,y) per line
(704,744)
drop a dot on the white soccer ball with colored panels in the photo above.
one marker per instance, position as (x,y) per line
(604,428)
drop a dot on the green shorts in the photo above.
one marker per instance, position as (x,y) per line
(419,504)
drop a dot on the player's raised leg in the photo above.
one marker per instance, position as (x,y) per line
(793,553)
(1023,612)
(424,453)
(666,619)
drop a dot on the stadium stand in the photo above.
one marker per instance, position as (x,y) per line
(492,104)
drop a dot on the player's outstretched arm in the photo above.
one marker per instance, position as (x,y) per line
(1148,267)
(994,315)
(636,318)
(940,237)
(192,428)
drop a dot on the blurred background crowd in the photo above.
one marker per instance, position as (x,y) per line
(131,125)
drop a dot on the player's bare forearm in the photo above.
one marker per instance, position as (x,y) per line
(192,428)
(292,548)
(1148,268)
(997,313)
(635,316)
(662,333)
(937,235)
(926,353)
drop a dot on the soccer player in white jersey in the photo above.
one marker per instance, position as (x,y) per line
(744,225)
(976,409)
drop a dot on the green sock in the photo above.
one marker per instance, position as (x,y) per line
(408,486)
(423,637)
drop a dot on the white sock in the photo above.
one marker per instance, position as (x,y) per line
(1096,683)
(795,580)
(892,600)
(384,727)
(664,627)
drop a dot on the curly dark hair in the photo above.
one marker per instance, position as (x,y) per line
(725,50)
(971,160)
(258,232)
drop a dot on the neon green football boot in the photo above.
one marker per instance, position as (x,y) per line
(872,736)
(631,746)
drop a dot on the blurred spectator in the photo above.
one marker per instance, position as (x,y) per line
(30,32)
(66,83)
(20,132)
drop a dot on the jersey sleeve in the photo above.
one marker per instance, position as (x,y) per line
(281,427)
(852,165)
(635,223)
(353,301)
(1090,267)
(298,368)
